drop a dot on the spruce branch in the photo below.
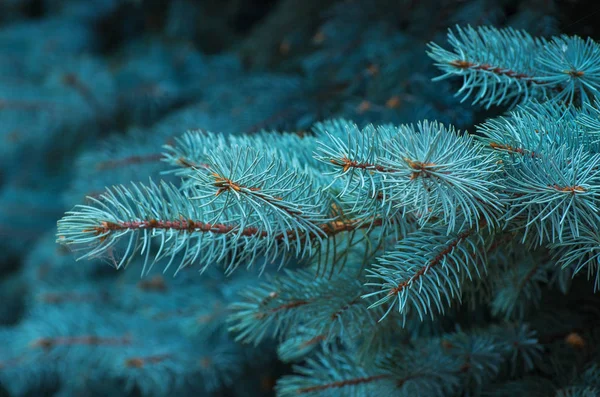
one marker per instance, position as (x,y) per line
(556,193)
(497,66)
(535,130)
(248,181)
(327,307)
(507,66)
(573,64)
(426,271)
(428,171)
(335,376)
(454,364)
(124,222)
(442,175)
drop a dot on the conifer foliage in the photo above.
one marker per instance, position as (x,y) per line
(388,226)
(335,198)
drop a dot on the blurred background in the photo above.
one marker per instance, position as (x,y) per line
(90,90)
